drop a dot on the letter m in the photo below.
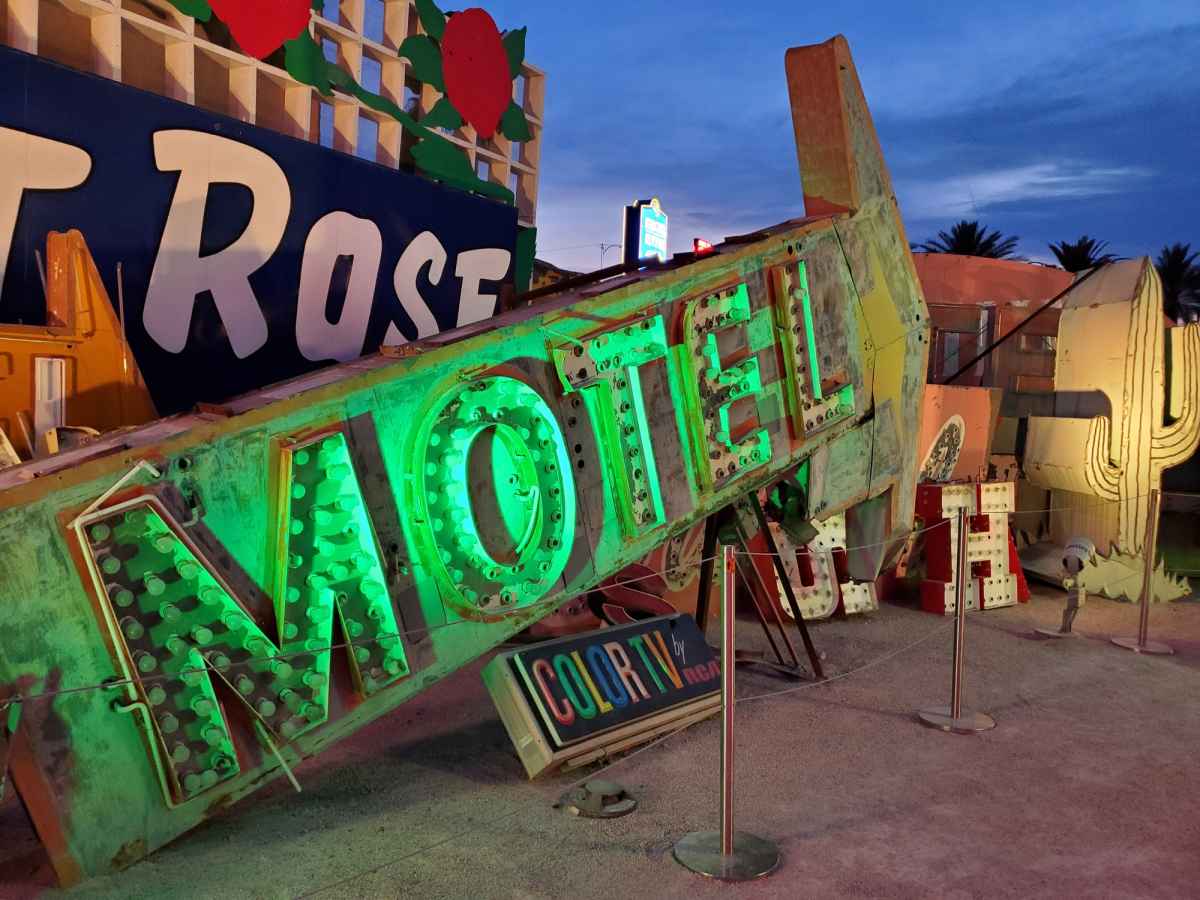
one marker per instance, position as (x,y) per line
(183,635)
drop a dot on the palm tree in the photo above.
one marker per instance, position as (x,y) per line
(970,239)
(1180,276)
(1085,253)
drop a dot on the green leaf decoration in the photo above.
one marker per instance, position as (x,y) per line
(306,63)
(426,59)
(197,9)
(339,78)
(514,46)
(513,124)
(443,115)
(493,190)
(440,159)
(444,161)
(383,105)
(433,20)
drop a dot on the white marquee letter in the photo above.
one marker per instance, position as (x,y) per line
(180,273)
(425,248)
(33,163)
(337,234)
(473,267)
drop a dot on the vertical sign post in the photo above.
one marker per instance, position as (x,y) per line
(953,718)
(1141,643)
(727,854)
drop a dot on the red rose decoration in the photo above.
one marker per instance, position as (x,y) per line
(475,69)
(261,26)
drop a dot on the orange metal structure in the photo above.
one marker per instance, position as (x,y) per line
(77,368)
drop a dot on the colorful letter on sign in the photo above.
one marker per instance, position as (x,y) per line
(713,387)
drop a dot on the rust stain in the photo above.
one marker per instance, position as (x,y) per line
(129,853)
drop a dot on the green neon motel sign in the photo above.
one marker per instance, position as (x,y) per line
(322,558)
(182,627)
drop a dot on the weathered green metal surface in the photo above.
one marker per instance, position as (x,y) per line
(298,563)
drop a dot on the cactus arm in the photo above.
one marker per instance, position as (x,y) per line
(1174,443)
(1102,475)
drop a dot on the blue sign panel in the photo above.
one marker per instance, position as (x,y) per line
(247,256)
(645,232)
(652,231)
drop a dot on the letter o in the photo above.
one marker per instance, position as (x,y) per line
(606,675)
(439,501)
(567,673)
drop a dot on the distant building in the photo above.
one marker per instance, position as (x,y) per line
(546,274)
(973,301)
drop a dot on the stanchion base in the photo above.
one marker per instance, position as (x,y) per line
(967,722)
(1154,647)
(1053,633)
(753,857)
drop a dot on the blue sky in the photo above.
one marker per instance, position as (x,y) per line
(1045,120)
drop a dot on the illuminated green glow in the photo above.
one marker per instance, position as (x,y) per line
(179,622)
(332,556)
(519,519)
(814,361)
(712,389)
(540,493)
(605,369)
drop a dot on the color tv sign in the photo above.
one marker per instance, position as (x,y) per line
(645,232)
(589,690)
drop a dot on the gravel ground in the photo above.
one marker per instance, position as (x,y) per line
(1085,788)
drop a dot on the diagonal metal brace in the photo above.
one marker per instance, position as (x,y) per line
(813,657)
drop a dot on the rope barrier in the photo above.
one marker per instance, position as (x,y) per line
(626,758)
(933,632)
(525,611)
(150,679)
(941,628)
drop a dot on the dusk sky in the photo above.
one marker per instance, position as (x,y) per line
(1045,120)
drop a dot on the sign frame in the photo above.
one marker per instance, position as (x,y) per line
(639,232)
(530,725)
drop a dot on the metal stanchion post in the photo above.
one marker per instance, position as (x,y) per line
(1141,643)
(953,718)
(727,854)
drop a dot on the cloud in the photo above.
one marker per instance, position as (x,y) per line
(1084,129)
(968,194)
(1090,139)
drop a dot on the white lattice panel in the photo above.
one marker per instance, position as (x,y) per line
(150,45)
